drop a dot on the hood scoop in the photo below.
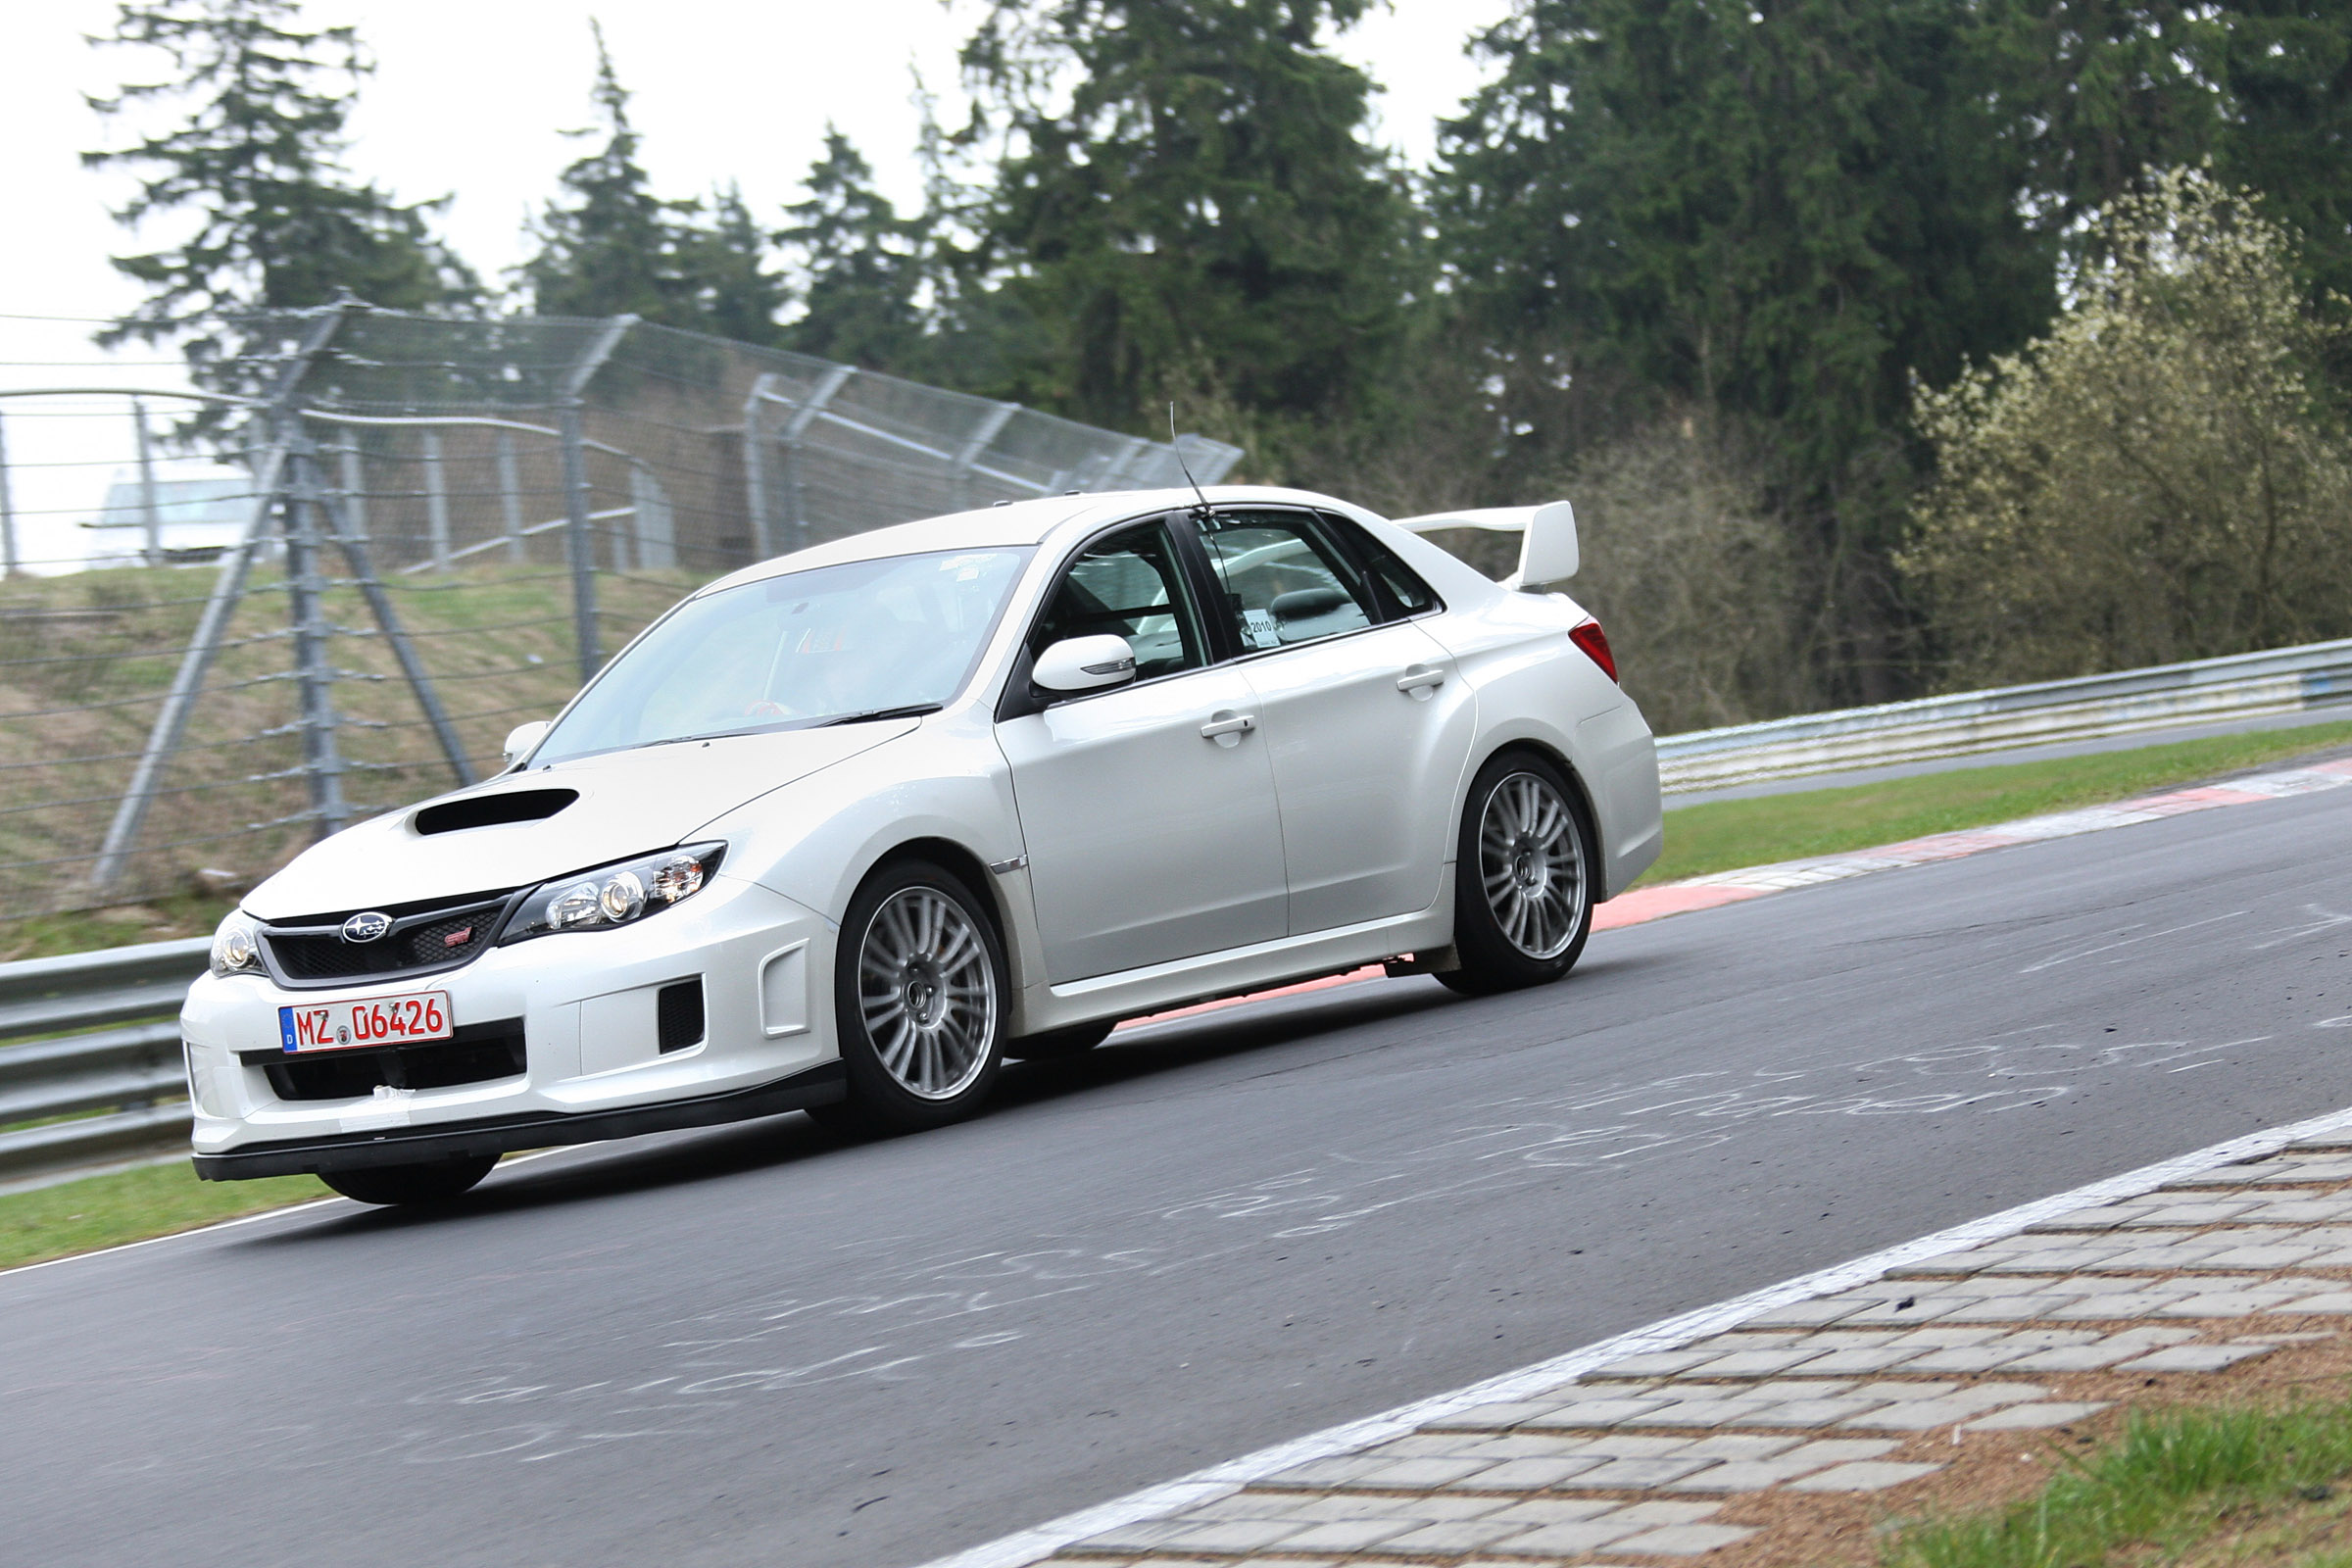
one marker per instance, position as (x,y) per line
(491,811)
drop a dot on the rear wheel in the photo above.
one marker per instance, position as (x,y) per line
(1075,1040)
(432,1182)
(918,993)
(1523,878)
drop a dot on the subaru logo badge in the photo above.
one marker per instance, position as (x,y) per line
(367,925)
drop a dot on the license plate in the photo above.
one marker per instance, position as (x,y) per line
(378,1021)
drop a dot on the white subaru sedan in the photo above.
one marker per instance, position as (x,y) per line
(843,831)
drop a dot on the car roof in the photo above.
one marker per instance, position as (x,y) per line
(1020,525)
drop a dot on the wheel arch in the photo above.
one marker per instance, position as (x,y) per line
(949,856)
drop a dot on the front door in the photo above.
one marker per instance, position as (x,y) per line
(1149,811)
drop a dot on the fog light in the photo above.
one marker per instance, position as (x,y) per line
(622,898)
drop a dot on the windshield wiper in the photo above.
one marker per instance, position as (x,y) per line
(909,710)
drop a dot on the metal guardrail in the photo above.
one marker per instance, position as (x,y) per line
(93,1032)
(2282,681)
(98,1032)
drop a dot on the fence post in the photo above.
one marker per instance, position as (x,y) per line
(794,428)
(321,757)
(353,546)
(147,503)
(510,499)
(436,500)
(755,466)
(576,504)
(8,514)
(989,428)
(171,719)
(353,494)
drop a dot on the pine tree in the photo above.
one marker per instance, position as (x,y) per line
(277,222)
(2288,132)
(1778,213)
(1203,211)
(608,246)
(860,265)
(722,262)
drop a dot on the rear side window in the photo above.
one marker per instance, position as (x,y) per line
(1284,581)
(1401,586)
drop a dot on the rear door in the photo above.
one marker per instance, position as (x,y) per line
(1149,811)
(1366,719)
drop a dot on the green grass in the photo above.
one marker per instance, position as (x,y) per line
(44,936)
(1722,835)
(132,1206)
(2190,1486)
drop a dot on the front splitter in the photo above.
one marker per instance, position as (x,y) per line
(823,1085)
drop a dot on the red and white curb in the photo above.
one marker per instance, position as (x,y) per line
(1644,905)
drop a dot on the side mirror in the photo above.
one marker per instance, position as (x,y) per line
(524,738)
(1085,665)
(1547,552)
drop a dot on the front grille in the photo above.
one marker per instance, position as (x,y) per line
(477,1054)
(425,938)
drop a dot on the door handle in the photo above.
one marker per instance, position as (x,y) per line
(1419,681)
(1227,729)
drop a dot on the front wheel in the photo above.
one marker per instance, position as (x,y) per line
(1523,878)
(918,995)
(430,1182)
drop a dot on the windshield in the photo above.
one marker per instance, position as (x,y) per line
(785,653)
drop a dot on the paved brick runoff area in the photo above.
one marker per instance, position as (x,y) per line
(1850,1404)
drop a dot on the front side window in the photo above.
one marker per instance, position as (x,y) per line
(1284,581)
(809,648)
(1128,585)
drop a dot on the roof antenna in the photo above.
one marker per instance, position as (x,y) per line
(1203,511)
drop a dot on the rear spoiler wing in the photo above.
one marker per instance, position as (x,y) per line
(1547,548)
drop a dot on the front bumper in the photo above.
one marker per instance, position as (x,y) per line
(582,1007)
(822,1085)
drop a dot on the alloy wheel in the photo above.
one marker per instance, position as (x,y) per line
(927,993)
(1531,860)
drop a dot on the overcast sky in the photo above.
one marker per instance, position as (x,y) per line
(470,100)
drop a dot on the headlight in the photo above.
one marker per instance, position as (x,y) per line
(238,946)
(611,894)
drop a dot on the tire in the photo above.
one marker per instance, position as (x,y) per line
(1055,1044)
(919,984)
(438,1180)
(1523,878)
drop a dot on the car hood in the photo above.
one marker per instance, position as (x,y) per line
(628,802)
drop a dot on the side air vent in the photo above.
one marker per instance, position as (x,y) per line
(678,1014)
(489,810)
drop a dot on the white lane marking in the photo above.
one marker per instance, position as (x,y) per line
(2125,942)
(1171,1496)
(6,1274)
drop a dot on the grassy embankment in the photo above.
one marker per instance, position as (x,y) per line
(83,659)
(2184,1488)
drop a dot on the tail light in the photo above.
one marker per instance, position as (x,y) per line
(1595,642)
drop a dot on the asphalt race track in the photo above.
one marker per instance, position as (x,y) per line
(760,1346)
